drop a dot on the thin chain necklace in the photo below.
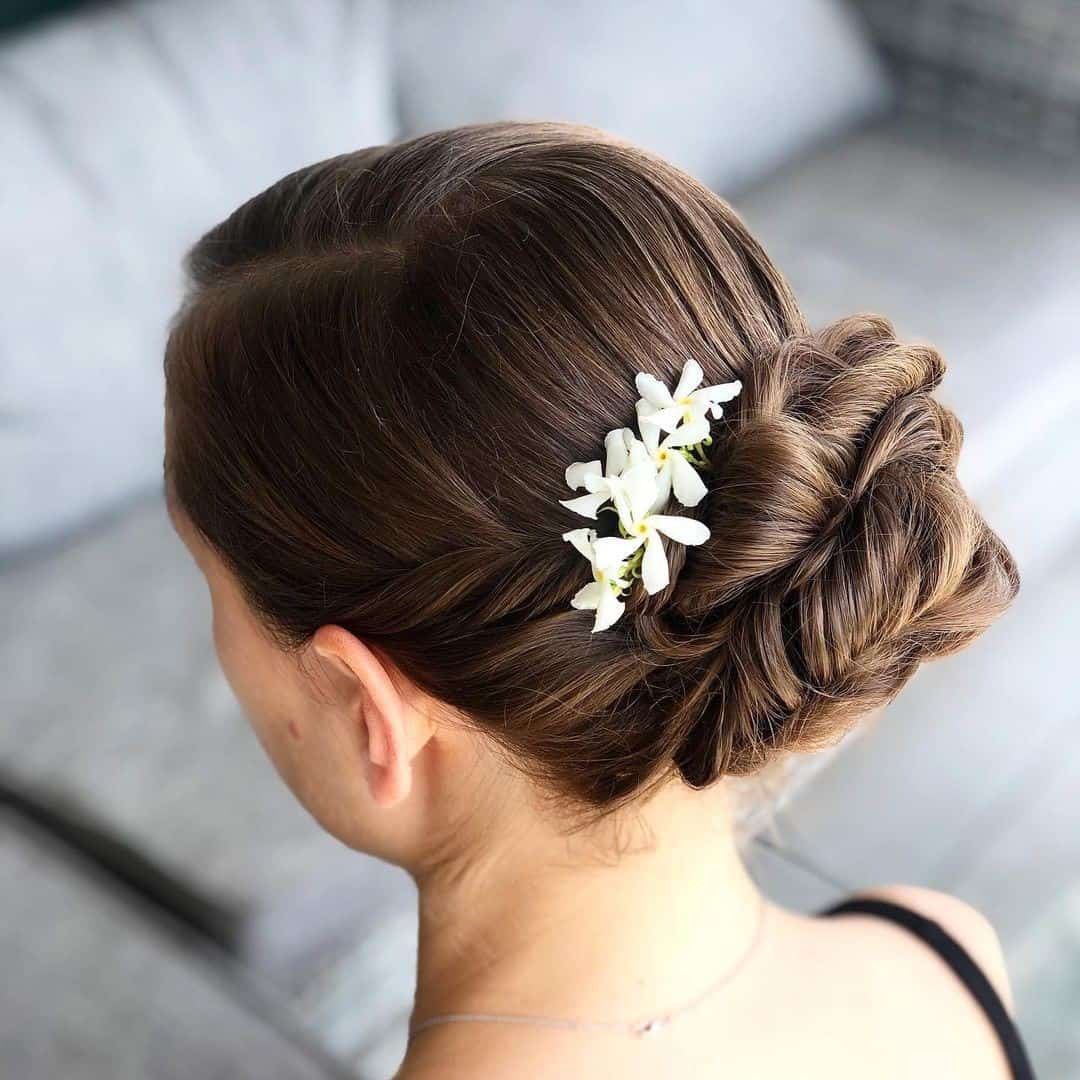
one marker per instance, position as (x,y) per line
(639,1028)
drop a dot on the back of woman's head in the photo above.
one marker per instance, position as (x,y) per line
(386,361)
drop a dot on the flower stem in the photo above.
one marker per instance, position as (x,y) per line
(696,455)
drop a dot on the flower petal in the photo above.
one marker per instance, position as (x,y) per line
(691,376)
(582,539)
(663,489)
(615,444)
(640,486)
(576,473)
(689,488)
(643,407)
(720,392)
(589,596)
(639,452)
(650,431)
(586,505)
(609,551)
(653,390)
(667,419)
(654,567)
(686,530)
(595,482)
(688,434)
(608,610)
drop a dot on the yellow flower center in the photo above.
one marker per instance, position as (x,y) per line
(641,528)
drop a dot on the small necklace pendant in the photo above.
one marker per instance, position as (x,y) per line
(650,1027)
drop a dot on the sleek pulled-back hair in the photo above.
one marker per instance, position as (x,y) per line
(384,364)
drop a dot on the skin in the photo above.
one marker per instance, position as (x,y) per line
(630,919)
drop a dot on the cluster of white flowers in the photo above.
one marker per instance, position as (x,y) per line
(637,478)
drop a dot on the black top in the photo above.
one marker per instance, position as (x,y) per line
(959,959)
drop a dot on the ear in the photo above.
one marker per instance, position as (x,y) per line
(377,704)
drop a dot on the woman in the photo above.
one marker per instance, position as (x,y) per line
(532,510)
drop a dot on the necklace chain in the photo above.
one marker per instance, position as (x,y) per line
(638,1028)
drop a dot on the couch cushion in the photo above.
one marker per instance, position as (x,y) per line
(92,990)
(126,130)
(726,92)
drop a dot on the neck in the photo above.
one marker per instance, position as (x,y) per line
(644,917)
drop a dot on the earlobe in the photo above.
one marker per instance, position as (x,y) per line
(379,707)
(391,768)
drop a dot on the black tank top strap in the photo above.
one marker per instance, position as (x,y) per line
(961,962)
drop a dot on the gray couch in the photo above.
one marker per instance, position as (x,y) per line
(128,128)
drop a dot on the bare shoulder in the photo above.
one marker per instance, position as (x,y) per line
(969,926)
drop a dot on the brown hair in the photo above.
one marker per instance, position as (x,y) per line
(387,359)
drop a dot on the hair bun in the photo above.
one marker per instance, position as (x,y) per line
(844,550)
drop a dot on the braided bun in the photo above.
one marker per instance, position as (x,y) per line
(843,554)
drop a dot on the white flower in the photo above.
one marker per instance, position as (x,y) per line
(672,468)
(638,477)
(623,450)
(607,556)
(666,409)
(654,565)
(641,485)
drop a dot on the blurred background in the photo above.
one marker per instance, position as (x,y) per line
(165,908)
